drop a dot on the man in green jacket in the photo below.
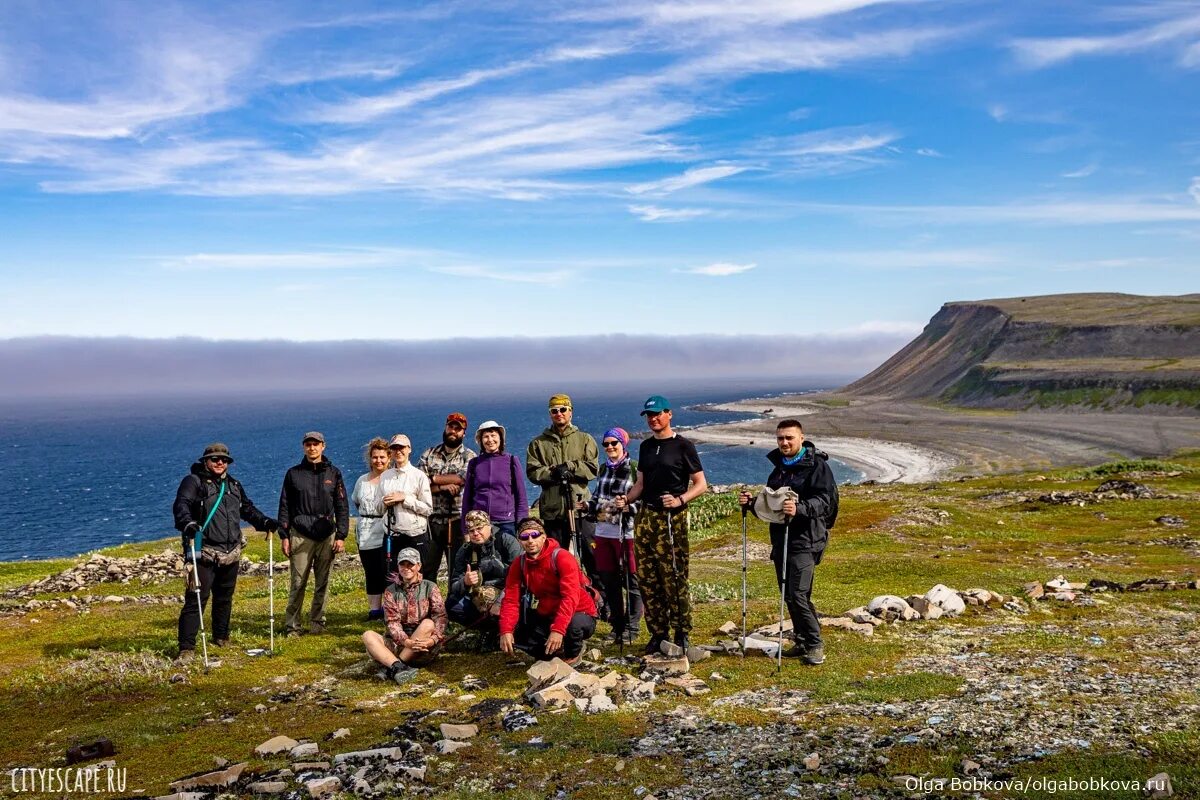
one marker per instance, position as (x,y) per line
(562,461)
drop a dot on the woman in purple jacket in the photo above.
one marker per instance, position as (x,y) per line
(495,481)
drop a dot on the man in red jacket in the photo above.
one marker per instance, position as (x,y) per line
(546,611)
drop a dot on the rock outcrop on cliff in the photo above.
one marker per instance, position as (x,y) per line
(1110,351)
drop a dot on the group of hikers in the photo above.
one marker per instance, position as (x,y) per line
(532,583)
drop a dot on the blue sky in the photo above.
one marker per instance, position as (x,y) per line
(356,170)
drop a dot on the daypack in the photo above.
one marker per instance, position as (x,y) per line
(832,511)
(585,582)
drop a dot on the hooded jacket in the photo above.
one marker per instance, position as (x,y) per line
(574,448)
(812,480)
(313,501)
(494,485)
(555,582)
(491,559)
(194,500)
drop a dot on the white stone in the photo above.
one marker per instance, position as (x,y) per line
(946,599)
(279,744)
(322,787)
(812,761)
(1159,786)
(458,731)
(306,750)
(889,607)
(447,746)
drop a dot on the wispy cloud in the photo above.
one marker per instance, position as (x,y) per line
(719,270)
(659,214)
(1082,172)
(362,258)
(929,152)
(692,177)
(1065,213)
(1181,31)
(1194,189)
(558,277)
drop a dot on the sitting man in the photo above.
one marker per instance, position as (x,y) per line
(416,621)
(548,609)
(480,568)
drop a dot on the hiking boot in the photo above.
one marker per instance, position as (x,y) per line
(374,614)
(815,656)
(652,646)
(404,674)
(681,639)
(185,656)
(220,642)
(630,636)
(797,650)
(316,628)
(295,634)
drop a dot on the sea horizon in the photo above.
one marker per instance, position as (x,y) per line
(88,473)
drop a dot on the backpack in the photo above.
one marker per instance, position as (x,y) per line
(585,582)
(832,511)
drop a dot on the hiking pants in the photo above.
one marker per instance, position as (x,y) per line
(612,581)
(531,636)
(219,582)
(663,575)
(801,564)
(308,556)
(445,537)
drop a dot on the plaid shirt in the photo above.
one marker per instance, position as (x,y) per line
(612,481)
(436,461)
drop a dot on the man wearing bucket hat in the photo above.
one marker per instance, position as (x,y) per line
(212,503)
(416,621)
(407,500)
(314,519)
(494,482)
(562,460)
(446,466)
(669,475)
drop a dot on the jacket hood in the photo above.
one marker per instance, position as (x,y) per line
(811,454)
(551,545)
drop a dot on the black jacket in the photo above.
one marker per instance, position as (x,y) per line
(811,479)
(194,500)
(313,502)
(492,558)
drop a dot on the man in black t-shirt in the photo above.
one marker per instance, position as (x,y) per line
(669,475)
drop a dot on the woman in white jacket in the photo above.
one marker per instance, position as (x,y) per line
(370,530)
(407,500)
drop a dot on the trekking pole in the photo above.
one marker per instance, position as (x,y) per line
(624,582)
(579,542)
(674,571)
(571,541)
(271,585)
(199,604)
(787,529)
(745,566)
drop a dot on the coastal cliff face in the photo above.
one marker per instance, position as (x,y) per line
(1110,351)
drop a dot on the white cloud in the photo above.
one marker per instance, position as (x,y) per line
(692,177)
(558,277)
(1037,53)
(658,214)
(1194,189)
(1069,213)
(301,260)
(1082,172)
(874,326)
(998,112)
(929,152)
(719,270)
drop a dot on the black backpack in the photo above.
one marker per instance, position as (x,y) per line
(831,511)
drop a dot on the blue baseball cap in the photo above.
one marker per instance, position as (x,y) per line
(654,404)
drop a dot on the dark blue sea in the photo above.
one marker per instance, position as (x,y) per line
(77,476)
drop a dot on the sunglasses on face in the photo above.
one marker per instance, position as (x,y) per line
(653,414)
(612,444)
(217,460)
(560,409)
(525,537)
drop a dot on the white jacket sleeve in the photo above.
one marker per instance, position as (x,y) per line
(420,502)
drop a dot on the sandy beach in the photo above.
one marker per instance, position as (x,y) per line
(912,442)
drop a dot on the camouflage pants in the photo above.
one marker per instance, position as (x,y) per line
(663,575)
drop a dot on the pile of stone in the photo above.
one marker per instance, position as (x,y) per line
(83,603)
(1061,589)
(555,684)
(1109,490)
(105,569)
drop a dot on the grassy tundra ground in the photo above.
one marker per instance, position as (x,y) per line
(1065,691)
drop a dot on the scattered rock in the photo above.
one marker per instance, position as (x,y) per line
(969,767)
(728,629)
(1034,590)
(279,744)
(946,599)
(695,654)
(552,696)
(692,687)
(595,655)
(340,733)
(670,649)
(848,624)
(889,607)
(1159,786)
(448,746)
(812,762)
(305,750)
(667,666)
(1171,521)
(220,778)
(545,673)
(323,787)
(450,731)
(267,787)
(517,720)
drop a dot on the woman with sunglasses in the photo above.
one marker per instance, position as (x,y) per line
(495,482)
(547,609)
(371,530)
(212,503)
(615,564)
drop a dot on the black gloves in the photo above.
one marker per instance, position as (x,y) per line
(271,525)
(191,528)
(560,473)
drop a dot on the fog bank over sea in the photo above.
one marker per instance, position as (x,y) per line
(56,366)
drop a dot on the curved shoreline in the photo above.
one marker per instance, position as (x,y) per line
(878,460)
